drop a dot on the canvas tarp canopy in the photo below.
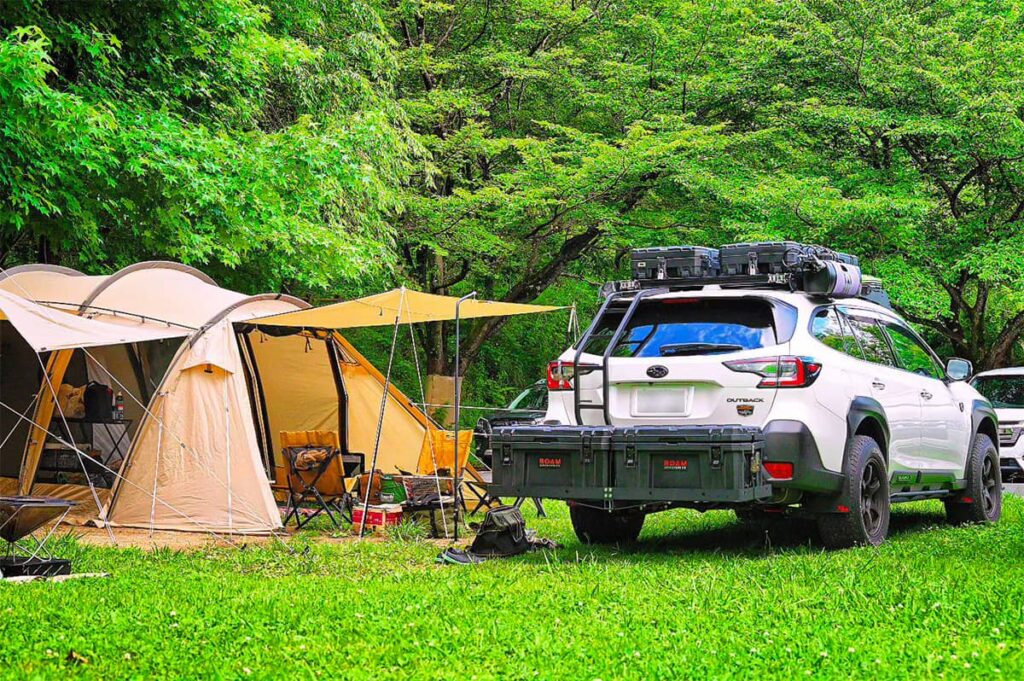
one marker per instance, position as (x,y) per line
(402,307)
(407,306)
(205,440)
(47,329)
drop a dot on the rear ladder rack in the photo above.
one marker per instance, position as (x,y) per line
(616,337)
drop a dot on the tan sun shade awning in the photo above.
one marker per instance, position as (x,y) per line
(410,307)
(46,328)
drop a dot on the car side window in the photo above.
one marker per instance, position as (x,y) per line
(827,327)
(911,353)
(871,337)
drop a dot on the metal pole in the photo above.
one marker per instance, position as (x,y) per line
(380,419)
(458,401)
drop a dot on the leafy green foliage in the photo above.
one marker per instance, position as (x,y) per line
(201,132)
(520,148)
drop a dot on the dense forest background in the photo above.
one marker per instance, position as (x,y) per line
(520,148)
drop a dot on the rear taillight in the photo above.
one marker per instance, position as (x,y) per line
(779,470)
(779,372)
(561,373)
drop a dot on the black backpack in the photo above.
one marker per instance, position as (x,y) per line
(502,533)
(99,402)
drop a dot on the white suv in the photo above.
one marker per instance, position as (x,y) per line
(839,406)
(1004,388)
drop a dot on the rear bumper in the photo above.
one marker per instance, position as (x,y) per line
(686,465)
(792,442)
(715,465)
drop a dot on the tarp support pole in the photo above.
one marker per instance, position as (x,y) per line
(46,402)
(380,420)
(456,490)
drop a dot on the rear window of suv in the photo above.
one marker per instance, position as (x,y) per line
(684,327)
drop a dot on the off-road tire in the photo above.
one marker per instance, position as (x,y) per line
(982,501)
(597,526)
(866,489)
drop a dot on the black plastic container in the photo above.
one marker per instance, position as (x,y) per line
(713,464)
(18,566)
(560,462)
(675,262)
(768,257)
(848,259)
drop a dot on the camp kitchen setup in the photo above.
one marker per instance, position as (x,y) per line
(154,399)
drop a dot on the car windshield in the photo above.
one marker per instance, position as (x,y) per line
(535,397)
(683,327)
(1004,392)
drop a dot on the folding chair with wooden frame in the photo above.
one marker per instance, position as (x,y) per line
(316,475)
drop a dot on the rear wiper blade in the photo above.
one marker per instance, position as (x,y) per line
(680,349)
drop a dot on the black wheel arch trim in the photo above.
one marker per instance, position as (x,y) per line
(862,409)
(984,420)
(792,441)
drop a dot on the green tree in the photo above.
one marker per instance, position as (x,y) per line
(905,125)
(262,143)
(559,133)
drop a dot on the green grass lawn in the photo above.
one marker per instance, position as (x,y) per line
(700,596)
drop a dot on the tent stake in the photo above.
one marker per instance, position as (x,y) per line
(456,491)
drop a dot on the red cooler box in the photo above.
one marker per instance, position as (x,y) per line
(377,516)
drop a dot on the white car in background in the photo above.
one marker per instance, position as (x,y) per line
(1004,388)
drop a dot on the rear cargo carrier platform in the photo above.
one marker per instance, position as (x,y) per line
(629,465)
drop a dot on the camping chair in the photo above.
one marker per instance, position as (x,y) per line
(476,483)
(316,474)
(437,456)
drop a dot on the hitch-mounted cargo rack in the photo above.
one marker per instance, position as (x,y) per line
(682,465)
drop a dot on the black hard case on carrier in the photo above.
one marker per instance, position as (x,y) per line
(767,257)
(713,464)
(556,462)
(775,257)
(676,262)
(686,464)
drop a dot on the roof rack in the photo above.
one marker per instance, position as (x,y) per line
(786,265)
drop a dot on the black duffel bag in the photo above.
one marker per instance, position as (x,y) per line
(502,533)
(99,402)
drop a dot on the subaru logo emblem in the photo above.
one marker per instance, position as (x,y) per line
(657,371)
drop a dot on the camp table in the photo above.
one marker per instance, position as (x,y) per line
(20,517)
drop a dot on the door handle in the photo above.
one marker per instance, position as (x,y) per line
(926,395)
(878,385)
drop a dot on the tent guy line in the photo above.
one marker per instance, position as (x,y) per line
(380,421)
(74,446)
(430,441)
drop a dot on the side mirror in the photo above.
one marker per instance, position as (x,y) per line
(959,369)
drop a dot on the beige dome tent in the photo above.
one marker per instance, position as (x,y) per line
(203,414)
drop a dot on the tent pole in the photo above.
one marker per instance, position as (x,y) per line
(66,354)
(380,419)
(458,406)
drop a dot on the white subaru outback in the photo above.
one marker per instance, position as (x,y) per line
(757,399)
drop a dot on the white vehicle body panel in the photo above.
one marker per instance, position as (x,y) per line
(929,419)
